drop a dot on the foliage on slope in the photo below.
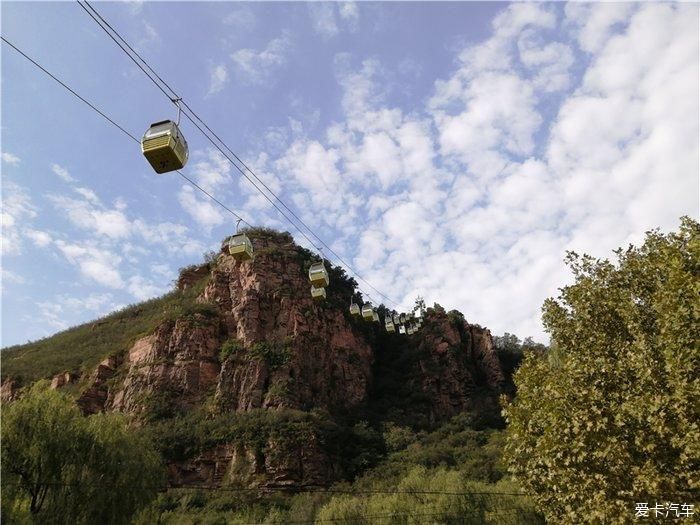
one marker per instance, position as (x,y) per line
(454,472)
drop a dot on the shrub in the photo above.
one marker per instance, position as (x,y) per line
(275,354)
(230,348)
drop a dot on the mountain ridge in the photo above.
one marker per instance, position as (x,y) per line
(243,344)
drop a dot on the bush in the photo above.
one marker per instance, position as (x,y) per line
(275,354)
(230,348)
(430,496)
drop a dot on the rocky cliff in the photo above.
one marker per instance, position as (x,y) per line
(253,339)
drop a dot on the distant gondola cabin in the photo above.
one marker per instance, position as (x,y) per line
(367,311)
(164,147)
(318,293)
(355,309)
(318,275)
(240,247)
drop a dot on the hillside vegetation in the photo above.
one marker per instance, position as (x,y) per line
(605,417)
(80,348)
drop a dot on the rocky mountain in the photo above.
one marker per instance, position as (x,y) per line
(244,351)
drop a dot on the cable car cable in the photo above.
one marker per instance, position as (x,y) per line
(128,134)
(174,97)
(111,121)
(66,87)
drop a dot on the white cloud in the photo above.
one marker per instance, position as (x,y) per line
(8,276)
(257,66)
(163,270)
(39,238)
(473,201)
(217,80)
(17,213)
(150,35)
(203,211)
(323,18)
(112,224)
(87,215)
(594,22)
(212,172)
(326,17)
(10,159)
(51,314)
(90,195)
(135,7)
(241,19)
(64,311)
(62,173)
(349,11)
(143,289)
(551,62)
(97,264)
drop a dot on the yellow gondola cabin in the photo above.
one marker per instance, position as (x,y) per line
(318,275)
(164,147)
(240,247)
(318,293)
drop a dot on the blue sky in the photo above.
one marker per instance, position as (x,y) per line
(452,150)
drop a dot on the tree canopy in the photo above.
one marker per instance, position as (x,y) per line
(609,416)
(61,467)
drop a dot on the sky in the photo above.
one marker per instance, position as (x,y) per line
(450,150)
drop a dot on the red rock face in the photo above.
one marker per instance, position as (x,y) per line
(294,353)
(299,465)
(266,304)
(178,365)
(60,380)
(93,399)
(192,275)
(9,390)
(461,365)
(285,351)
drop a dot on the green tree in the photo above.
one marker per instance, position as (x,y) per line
(61,467)
(610,416)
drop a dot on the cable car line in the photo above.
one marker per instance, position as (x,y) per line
(66,87)
(130,135)
(111,121)
(174,96)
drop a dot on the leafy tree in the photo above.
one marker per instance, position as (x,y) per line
(610,416)
(60,467)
